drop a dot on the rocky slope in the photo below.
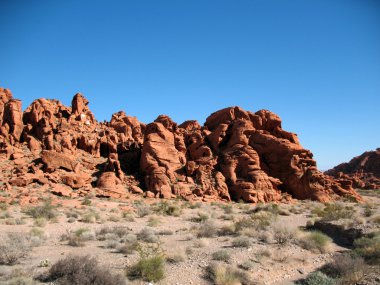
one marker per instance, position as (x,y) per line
(235,155)
(363,170)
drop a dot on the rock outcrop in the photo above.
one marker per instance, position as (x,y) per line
(362,171)
(235,155)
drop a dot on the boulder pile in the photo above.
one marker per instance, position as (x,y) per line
(236,155)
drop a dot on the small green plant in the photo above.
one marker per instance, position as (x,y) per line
(151,265)
(317,278)
(168,209)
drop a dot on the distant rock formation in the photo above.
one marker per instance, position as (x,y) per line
(363,171)
(236,155)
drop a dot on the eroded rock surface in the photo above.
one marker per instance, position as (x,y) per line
(236,155)
(362,171)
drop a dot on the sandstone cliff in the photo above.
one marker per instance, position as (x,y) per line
(235,155)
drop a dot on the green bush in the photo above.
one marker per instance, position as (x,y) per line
(317,278)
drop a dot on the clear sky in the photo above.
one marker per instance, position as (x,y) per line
(314,63)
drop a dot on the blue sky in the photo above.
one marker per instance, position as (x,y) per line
(314,63)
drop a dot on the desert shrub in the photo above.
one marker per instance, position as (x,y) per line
(283,235)
(90,217)
(153,221)
(196,205)
(226,275)
(86,201)
(227,230)
(40,222)
(176,257)
(207,229)
(247,265)
(317,278)
(165,232)
(200,218)
(227,208)
(166,208)
(315,241)
(12,248)
(258,221)
(334,211)
(128,217)
(142,210)
(151,265)
(130,244)
(80,270)
(78,237)
(221,255)
(241,242)
(369,248)
(114,218)
(376,220)
(147,235)
(119,231)
(349,269)
(46,211)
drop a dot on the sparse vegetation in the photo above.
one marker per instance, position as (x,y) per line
(283,235)
(151,265)
(207,229)
(317,278)
(334,211)
(12,248)
(369,248)
(221,255)
(315,241)
(241,242)
(45,211)
(81,270)
(226,275)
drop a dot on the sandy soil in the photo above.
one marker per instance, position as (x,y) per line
(272,263)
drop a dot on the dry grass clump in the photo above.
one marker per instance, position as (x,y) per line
(221,255)
(153,221)
(283,236)
(227,230)
(315,241)
(168,209)
(129,244)
(241,242)
(346,268)
(248,265)
(119,231)
(200,218)
(200,243)
(258,221)
(12,248)
(147,235)
(226,275)
(78,237)
(176,256)
(142,210)
(46,211)
(207,229)
(91,216)
(81,270)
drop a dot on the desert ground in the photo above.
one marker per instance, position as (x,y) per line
(188,242)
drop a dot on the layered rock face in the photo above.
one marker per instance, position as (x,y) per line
(363,171)
(236,155)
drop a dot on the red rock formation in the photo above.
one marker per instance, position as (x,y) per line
(236,155)
(362,171)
